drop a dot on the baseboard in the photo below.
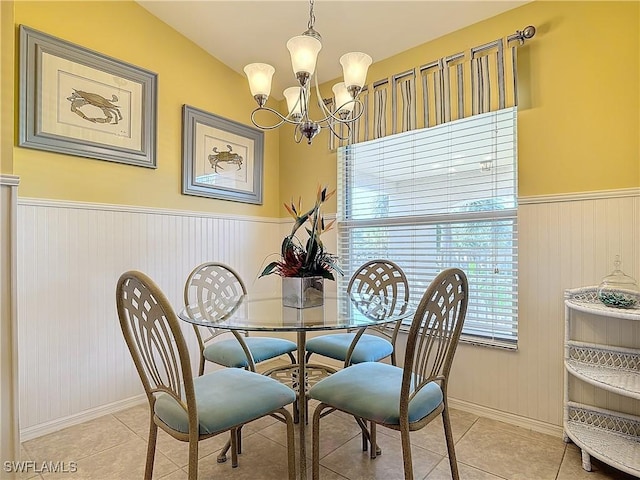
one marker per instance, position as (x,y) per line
(39,430)
(510,418)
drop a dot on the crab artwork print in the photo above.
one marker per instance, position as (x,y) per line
(80,99)
(224,157)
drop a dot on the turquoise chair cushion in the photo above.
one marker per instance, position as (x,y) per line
(370,348)
(372,390)
(230,354)
(226,398)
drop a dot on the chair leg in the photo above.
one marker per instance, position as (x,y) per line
(222,456)
(406,454)
(239,440)
(291,442)
(151,449)
(448,434)
(296,412)
(201,368)
(315,441)
(234,448)
(372,436)
(193,457)
(306,410)
(366,437)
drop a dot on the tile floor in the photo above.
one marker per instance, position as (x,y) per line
(113,447)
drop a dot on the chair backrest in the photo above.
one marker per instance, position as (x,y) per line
(434,333)
(153,335)
(212,281)
(380,277)
(384,278)
(213,286)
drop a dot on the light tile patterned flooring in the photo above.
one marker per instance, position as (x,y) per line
(113,447)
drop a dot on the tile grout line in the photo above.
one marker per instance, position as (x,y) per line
(564,454)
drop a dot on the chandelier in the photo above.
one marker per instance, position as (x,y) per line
(304,51)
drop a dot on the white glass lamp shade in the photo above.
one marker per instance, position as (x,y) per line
(354,68)
(304,51)
(343,98)
(259,75)
(294,102)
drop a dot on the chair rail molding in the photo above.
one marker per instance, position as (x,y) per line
(577,196)
(9,373)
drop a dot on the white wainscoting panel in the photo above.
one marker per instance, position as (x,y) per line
(72,355)
(562,244)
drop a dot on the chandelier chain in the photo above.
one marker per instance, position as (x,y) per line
(312,17)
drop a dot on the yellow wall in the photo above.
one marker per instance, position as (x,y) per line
(579,116)
(578,123)
(186,75)
(6,86)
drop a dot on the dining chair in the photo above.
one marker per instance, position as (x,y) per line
(378,278)
(215,287)
(187,408)
(409,397)
(211,285)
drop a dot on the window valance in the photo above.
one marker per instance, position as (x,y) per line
(480,80)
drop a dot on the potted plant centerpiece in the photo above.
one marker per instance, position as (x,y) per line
(303,266)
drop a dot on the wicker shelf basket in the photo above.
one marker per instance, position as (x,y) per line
(612,437)
(615,369)
(586,300)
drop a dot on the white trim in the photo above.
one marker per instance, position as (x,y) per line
(578,196)
(93,413)
(10,180)
(9,371)
(39,202)
(533,199)
(510,418)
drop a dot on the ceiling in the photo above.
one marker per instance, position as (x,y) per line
(239,32)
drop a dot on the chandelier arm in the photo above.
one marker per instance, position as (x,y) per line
(350,119)
(282,118)
(340,137)
(305,95)
(323,108)
(329,115)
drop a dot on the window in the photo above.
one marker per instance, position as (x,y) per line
(434,198)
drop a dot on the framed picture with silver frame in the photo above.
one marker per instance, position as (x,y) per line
(221,158)
(79,102)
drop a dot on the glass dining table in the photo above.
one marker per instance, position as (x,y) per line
(266,313)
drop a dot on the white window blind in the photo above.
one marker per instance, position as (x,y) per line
(440,197)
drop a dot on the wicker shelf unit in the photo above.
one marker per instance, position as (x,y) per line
(610,436)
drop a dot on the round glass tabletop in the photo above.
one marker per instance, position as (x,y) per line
(267,313)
